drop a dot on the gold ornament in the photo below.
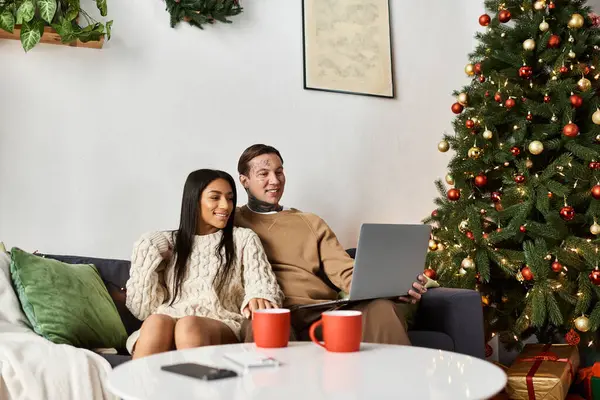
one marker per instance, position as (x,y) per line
(529,163)
(487,134)
(539,5)
(443,146)
(548,257)
(470,69)
(598,138)
(462,271)
(485,300)
(449,179)
(467,263)
(463,99)
(572,54)
(595,229)
(433,245)
(463,226)
(596,117)
(582,323)
(474,152)
(576,21)
(529,45)
(520,276)
(440,247)
(536,147)
(584,84)
(544,26)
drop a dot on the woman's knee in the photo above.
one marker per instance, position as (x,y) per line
(159,322)
(192,332)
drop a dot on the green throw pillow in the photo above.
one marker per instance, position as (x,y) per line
(66,303)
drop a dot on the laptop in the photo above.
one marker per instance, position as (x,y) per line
(388,260)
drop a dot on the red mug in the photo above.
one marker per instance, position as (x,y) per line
(271,327)
(342,331)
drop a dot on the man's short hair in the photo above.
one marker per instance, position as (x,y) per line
(252,152)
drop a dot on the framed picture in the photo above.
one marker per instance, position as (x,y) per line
(347,46)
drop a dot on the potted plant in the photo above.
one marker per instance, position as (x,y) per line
(51,21)
(200,12)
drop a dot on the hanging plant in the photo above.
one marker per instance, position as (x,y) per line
(200,12)
(32,16)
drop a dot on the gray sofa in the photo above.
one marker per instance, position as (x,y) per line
(447,319)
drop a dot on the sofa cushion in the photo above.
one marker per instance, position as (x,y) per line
(431,339)
(115,274)
(65,303)
(10,308)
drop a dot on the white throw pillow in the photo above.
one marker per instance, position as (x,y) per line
(10,308)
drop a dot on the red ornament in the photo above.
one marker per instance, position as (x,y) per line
(477,68)
(554,41)
(596,192)
(515,151)
(453,194)
(496,197)
(563,70)
(485,236)
(430,273)
(504,16)
(434,213)
(470,124)
(519,179)
(571,130)
(529,117)
(527,274)
(550,195)
(576,101)
(487,93)
(489,351)
(547,99)
(498,97)
(481,78)
(523,229)
(457,108)
(572,337)
(510,103)
(523,99)
(499,207)
(552,6)
(595,277)
(470,235)
(556,266)
(485,20)
(587,70)
(593,165)
(567,213)
(480,180)
(525,72)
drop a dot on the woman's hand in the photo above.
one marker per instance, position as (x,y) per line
(257,304)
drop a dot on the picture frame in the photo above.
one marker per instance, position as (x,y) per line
(347,47)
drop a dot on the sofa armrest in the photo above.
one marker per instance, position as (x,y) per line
(456,312)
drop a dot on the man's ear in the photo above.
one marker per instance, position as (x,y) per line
(244,181)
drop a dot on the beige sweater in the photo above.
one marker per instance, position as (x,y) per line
(300,247)
(151,274)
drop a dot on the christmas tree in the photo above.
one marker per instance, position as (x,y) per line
(520,218)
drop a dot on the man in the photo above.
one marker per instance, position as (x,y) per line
(309,262)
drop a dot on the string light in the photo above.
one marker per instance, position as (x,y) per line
(590,343)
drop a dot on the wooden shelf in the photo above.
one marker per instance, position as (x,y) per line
(50,36)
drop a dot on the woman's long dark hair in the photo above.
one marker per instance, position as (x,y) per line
(195,184)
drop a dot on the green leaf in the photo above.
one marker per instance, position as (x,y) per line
(7,21)
(71,14)
(26,12)
(102,7)
(65,29)
(47,9)
(108,29)
(91,33)
(31,33)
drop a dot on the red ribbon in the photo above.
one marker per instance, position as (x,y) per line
(545,355)
(585,375)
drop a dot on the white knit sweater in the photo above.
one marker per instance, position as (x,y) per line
(151,274)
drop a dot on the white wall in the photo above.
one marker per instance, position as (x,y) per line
(95,145)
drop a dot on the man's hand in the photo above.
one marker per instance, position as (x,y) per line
(414,295)
(257,304)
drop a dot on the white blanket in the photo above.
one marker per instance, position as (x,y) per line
(33,368)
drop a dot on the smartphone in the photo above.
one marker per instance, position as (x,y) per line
(199,371)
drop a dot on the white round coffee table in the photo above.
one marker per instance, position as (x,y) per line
(308,371)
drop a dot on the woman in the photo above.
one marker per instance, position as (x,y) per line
(191,287)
